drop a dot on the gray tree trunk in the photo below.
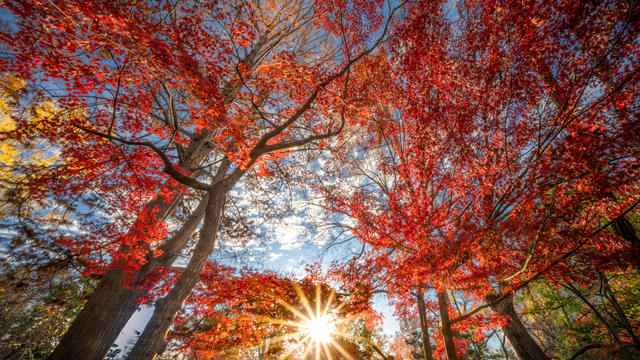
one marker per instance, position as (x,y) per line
(445,330)
(525,346)
(108,309)
(427,349)
(99,323)
(152,341)
(625,229)
(111,305)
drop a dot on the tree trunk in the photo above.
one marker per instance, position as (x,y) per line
(427,350)
(525,346)
(152,341)
(625,229)
(108,309)
(379,352)
(445,330)
(111,305)
(171,248)
(99,323)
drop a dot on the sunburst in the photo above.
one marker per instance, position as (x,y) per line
(318,326)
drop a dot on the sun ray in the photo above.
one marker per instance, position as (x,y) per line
(318,300)
(329,302)
(293,310)
(283,337)
(304,299)
(326,351)
(297,324)
(307,349)
(340,306)
(315,324)
(342,350)
(305,340)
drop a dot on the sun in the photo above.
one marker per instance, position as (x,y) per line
(319,328)
(317,325)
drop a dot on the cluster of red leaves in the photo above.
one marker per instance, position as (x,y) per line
(516,140)
(119,54)
(126,68)
(233,309)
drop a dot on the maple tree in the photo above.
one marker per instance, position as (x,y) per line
(166,102)
(475,152)
(231,311)
(512,150)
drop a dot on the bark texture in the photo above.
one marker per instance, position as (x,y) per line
(152,341)
(524,345)
(99,323)
(111,305)
(625,229)
(427,349)
(107,311)
(445,330)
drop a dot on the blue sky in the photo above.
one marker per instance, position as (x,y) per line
(282,244)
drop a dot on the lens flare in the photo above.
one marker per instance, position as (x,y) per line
(320,328)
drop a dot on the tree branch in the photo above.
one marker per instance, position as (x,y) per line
(541,272)
(169,168)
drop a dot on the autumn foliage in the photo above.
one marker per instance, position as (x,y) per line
(510,151)
(472,151)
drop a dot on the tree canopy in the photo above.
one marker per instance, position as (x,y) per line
(476,163)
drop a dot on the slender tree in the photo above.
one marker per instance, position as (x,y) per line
(427,349)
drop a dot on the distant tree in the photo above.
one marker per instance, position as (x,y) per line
(34,318)
(597,317)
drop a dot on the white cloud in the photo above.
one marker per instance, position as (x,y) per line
(249,243)
(290,236)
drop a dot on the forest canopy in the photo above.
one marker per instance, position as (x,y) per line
(263,178)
